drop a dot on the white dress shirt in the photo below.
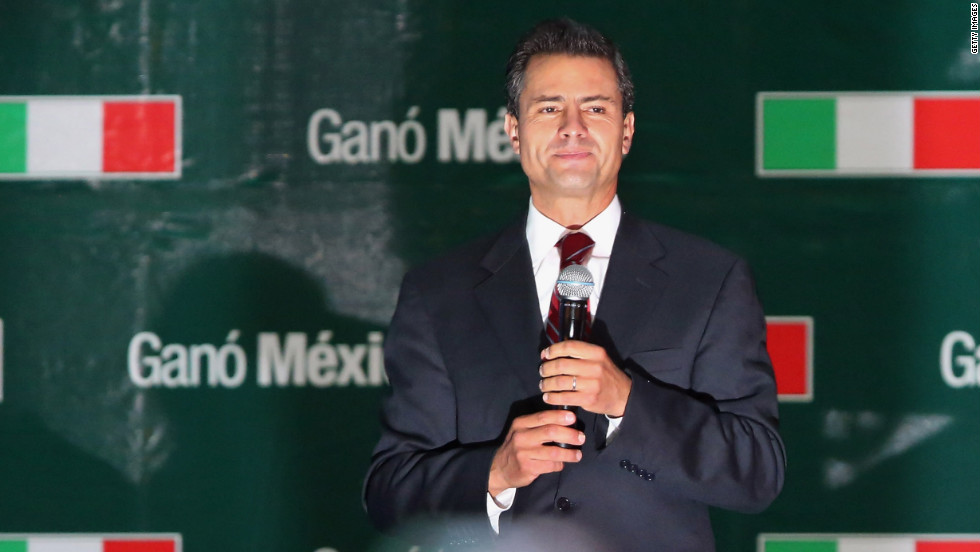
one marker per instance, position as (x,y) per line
(542,235)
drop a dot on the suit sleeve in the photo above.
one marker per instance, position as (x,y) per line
(419,468)
(714,438)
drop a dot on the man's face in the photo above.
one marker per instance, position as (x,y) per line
(571,133)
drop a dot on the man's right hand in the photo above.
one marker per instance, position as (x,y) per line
(525,455)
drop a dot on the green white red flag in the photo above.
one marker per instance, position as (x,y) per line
(71,137)
(868,134)
(869,543)
(68,542)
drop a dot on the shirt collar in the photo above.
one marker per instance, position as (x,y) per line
(542,232)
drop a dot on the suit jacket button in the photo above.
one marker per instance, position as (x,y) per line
(563,504)
(625,464)
(648,476)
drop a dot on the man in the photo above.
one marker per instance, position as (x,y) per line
(675,395)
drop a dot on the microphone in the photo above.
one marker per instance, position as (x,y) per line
(575,285)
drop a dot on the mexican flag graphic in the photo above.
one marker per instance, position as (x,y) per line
(69,542)
(869,543)
(75,137)
(868,134)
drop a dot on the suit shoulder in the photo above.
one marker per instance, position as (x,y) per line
(681,246)
(693,242)
(460,266)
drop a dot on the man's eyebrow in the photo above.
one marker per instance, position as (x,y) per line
(598,97)
(594,98)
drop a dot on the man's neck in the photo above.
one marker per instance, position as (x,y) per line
(571,212)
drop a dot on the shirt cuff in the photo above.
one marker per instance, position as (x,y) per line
(499,505)
(504,500)
(612,429)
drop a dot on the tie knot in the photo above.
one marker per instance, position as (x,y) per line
(574,248)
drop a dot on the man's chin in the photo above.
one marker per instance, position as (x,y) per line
(572,180)
(577,186)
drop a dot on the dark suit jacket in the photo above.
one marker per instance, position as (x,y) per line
(677,313)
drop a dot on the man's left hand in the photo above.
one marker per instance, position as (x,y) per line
(576,373)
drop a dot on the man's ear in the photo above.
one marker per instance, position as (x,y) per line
(510,126)
(628,131)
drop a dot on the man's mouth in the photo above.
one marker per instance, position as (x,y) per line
(572,155)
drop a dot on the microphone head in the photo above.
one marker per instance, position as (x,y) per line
(575,282)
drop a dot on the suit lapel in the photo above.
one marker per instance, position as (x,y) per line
(510,303)
(632,289)
(634,284)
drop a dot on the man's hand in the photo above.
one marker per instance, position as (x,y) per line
(576,373)
(524,455)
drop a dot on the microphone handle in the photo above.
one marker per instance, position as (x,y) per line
(572,314)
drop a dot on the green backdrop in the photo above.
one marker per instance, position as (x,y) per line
(293,252)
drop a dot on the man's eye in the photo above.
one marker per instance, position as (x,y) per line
(549,109)
(597,109)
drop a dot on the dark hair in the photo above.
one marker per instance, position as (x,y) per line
(564,36)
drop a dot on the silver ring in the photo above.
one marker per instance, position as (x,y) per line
(574,383)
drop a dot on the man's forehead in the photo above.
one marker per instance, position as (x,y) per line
(540,59)
(563,68)
(549,77)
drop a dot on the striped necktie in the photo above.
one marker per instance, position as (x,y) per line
(573,248)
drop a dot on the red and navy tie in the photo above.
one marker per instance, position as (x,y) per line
(573,248)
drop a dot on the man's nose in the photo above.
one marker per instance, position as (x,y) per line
(573,124)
